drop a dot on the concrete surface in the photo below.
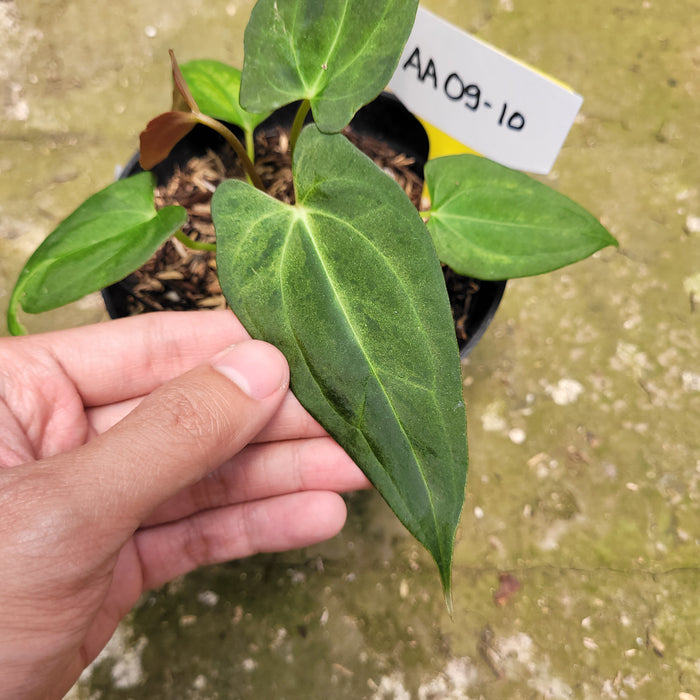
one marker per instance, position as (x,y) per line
(583,398)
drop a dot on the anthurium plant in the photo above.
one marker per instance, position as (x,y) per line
(347,281)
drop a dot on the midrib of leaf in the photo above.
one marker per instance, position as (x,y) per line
(473,245)
(338,32)
(458,192)
(308,228)
(39,272)
(439,214)
(291,36)
(285,89)
(442,216)
(300,217)
(359,53)
(309,192)
(116,234)
(446,221)
(369,242)
(77,252)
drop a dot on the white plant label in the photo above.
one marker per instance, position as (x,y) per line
(483,98)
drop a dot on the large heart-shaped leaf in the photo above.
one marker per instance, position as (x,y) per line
(338,54)
(347,284)
(493,223)
(215,87)
(107,237)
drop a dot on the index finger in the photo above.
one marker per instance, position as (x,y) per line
(291,421)
(130,357)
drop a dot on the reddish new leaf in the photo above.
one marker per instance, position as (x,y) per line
(181,84)
(161,134)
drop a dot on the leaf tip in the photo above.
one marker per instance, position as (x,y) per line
(446,581)
(612,240)
(449,603)
(181,84)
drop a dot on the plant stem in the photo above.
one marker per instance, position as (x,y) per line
(250,143)
(194,245)
(303,110)
(235,144)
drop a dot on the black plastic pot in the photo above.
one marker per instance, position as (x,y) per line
(385,119)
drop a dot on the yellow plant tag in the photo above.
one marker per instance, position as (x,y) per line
(473,97)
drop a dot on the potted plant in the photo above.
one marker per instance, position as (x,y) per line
(178,278)
(347,281)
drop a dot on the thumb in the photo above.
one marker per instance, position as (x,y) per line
(179,433)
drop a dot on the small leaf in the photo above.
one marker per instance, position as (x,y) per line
(180,84)
(216,86)
(493,223)
(338,54)
(107,237)
(161,134)
(346,283)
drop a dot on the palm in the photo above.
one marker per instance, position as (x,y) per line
(61,392)
(43,412)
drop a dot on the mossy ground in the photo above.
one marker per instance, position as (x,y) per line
(583,397)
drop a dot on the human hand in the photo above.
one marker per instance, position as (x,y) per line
(129,457)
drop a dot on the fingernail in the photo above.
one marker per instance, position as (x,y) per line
(257,368)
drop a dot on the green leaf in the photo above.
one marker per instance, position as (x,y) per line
(215,87)
(493,223)
(338,54)
(346,283)
(107,237)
